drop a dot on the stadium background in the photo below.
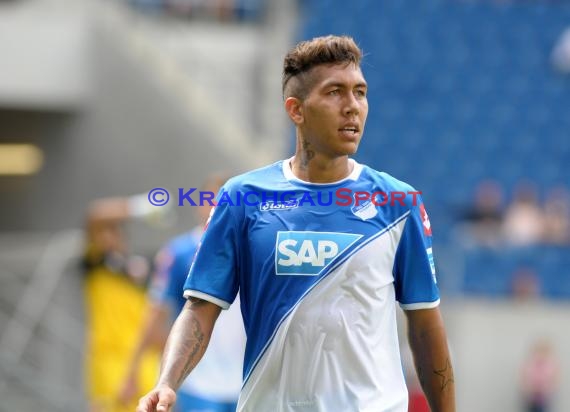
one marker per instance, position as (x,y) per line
(111,98)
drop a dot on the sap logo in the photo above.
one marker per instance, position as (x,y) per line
(308,253)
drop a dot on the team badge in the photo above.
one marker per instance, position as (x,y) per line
(365,211)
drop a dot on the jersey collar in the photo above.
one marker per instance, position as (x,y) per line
(288,173)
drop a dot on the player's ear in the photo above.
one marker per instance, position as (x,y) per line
(294,108)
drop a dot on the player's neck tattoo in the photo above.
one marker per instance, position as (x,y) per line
(306,154)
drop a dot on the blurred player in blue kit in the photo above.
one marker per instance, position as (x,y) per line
(215,384)
(318,283)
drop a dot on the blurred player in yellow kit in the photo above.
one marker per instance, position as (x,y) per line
(115,298)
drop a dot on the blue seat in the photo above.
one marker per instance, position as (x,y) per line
(460,92)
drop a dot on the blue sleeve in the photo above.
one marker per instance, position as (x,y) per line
(178,274)
(214,273)
(414,268)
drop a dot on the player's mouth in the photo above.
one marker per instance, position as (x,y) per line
(350,131)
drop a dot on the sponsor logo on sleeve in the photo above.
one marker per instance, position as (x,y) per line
(429,251)
(425,220)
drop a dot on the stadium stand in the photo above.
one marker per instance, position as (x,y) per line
(456,98)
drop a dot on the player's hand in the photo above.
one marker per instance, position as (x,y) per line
(160,399)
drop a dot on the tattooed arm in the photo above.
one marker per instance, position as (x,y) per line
(428,342)
(186,344)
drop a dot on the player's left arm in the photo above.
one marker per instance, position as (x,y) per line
(428,342)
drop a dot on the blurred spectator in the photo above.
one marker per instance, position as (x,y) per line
(214,385)
(222,10)
(540,376)
(525,284)
(557,217)
(219,10)
(483,221)
(115,301)
(524,220)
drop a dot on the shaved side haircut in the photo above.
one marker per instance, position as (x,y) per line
(299,62)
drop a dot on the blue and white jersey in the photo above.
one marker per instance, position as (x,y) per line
(318,282)
(223,360)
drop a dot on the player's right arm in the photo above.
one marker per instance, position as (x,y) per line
(187,343)
(213,273)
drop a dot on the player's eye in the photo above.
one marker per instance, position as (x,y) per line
(334,92)
(360,93)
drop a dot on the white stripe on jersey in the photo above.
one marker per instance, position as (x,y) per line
(338,348)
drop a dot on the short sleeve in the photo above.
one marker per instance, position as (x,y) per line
(214,272)
(178,273)
(414,268)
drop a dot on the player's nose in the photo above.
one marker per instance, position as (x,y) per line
(351,105)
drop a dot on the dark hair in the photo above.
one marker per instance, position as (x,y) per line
(308,54)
